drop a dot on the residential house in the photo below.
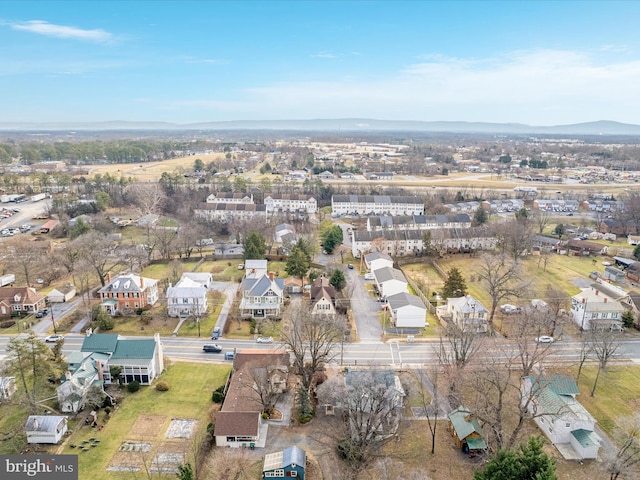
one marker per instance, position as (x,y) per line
(593,308)
(614,274)
(633,272)
(633,239)
(255,268)
(390,281)
(326,175)
(290,462)
(21,300)
(466,431)
(226,212)
(584,247)
(230,197)
(548,244)
(466,313)
(141,360)
(376,205)
(283,231)
(377,260)
(187,298)
(290,202)
(292,285)
(45,428)
(407,310)
(203,278)
(7,388)
(62,294)
(565,422)
(84,373)
(261,297)
(239,422)
(322,296)
(127,293)
(418,222)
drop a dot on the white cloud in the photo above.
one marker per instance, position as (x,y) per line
(323,55)
(536,87)
(63,31)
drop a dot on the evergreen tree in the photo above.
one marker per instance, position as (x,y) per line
(636,252)
(529,462)
(299,261)
(337,279)
(333,239)
(480,217)
(254,246)
(455,285)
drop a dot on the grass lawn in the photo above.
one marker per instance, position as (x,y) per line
(617,395)
(185,399)
(190,328)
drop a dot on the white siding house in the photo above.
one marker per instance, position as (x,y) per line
(407,310)
(377,260)
(390,281)
(186,298)
(45,428)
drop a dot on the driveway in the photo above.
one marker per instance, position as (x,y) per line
(229,289)
(365,309)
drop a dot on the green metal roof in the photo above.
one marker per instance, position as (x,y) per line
(586,438)
(562,384)
(476,443)
(464,423)
(134,349)
(100,342)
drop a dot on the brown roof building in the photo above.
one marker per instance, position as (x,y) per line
(23,300)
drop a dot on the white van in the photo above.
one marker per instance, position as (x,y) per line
(369,276)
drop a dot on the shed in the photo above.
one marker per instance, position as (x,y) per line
(45,428)
(290,462)
(7,387)
(466,431)
(614,274)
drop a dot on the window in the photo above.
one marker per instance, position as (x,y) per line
(278,473)
(567,424)
(292,473)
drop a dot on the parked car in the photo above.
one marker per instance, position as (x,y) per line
(241,266)
(369,276)
(211,348)
(229,355)
(507,308)
(216,333)
(53,338)
(544,339)
(264,340)
(350,266)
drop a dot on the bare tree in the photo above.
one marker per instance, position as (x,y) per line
(428,388)
(626,459)
(165,240)
(313,341)
(586,351)
(100,252)
(514,237)
(501,278)
(371,410)
(233,464)
(27,257)
(605,344)
(541,219)
(260,380)
(148,198)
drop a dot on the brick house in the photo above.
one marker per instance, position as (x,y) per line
(22,300)
(128,292)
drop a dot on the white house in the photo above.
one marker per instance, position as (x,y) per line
(230,197)
(141,360)
(390,281)
(255,268)
(83,374)
(62,294)
(376,205)
(377,260)
(407,310)
(593,308)
(203,278)
(290,202)
(45,428)
(187,298)
(466,313)
(226,212)
(552,402)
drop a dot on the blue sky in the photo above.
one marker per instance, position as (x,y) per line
(540,62)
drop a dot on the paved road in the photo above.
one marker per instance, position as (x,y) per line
(365,309)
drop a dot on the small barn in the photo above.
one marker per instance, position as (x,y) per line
(466,431)
(614,274)
(45,428)
(290,462)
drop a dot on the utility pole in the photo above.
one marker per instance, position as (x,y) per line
(53,321)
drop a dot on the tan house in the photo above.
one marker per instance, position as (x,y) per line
(322,296)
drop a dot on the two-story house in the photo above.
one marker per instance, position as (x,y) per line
(566,423)
(127,293)
(467,313)
(390,281)
(322,296)
(592,308)
(186,298)
(261,297)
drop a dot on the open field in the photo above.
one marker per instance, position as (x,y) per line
(152,412)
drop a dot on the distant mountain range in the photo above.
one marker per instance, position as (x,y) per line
(603,127)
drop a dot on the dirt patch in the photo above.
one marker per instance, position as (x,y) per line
(147,426)
(134,447)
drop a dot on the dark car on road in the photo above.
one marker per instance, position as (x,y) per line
(212,348)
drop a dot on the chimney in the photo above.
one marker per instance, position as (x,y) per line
(89,331)
(596,292)
(108,277)
(271,275)
(584,300)
(605,299)
(141,283)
